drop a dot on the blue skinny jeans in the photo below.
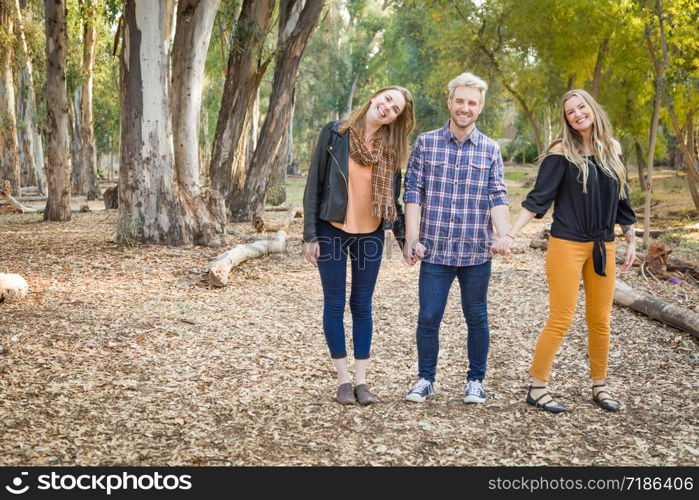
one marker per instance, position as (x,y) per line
(365,252)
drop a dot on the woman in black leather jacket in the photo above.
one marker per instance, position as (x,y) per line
(351,196)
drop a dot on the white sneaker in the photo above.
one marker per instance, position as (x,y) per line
(474,392)
(421,391)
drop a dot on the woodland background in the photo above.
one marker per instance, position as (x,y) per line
(139,140)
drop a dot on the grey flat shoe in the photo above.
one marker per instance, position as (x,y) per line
(364,395)
(345,395)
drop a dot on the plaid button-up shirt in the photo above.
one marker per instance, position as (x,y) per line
(456,184)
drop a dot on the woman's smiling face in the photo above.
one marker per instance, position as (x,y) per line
(578,114)
(386,106)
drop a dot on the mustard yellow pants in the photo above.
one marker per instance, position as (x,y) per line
(566,262)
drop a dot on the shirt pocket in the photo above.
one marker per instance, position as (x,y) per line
(477,174)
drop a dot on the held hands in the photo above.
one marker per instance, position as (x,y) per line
(413,250)
(311,252)
(503,245)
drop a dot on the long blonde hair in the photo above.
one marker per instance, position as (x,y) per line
(396,132)
(571,141)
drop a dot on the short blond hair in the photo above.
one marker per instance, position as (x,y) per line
(468,80)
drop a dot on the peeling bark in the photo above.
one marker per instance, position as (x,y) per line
(30,141)
(195,20)
(88,155)
(250,200)
(153,205)
(9,149)
(58,163)
(229,158)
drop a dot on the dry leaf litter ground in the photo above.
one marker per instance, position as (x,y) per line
(125,356)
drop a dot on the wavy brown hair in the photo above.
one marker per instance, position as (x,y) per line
(571,141)
(396,132)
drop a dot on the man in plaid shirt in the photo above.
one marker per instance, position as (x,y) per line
(455,186)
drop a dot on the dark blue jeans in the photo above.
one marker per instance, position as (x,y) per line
(434,284)
(365,252)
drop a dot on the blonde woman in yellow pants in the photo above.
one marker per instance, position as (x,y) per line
(583,176)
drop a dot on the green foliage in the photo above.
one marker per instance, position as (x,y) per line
(521,152)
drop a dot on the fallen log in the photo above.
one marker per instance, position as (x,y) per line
(261,224)
(645,303)
(221,266)
(283,208)
(13,287)
(7,197)
(654,233)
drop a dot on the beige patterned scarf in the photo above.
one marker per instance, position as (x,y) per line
(383,163)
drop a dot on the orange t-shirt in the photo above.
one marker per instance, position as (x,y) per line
(359,218)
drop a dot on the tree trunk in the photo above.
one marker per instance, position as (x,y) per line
(597,75)
(9,149)
(31,153)
(77,173)
(58,135)
(153,205)
(660,66)
(641,164)
(195,20)
(244,75)
(251,199)
(276,194)
(689,158)
(350,99)
(88,155)
(692,173)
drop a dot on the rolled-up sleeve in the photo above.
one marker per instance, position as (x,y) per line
(497,192)
(414,176)
(548,179)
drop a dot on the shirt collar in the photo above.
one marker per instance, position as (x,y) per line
(474,136)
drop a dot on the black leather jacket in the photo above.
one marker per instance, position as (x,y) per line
(325,196)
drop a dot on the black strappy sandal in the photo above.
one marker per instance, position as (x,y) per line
(608,403)
(548,406)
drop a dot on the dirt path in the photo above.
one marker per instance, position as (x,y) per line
(127,357)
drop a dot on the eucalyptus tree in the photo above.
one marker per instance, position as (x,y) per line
(58,162)
(160,200)
(9,149)
(295,28)
(30,141)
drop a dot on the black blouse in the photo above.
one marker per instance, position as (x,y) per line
(579,216)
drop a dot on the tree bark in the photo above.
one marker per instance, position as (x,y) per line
(153,205)
(77,173)
(30,141)
(660,66)
(9,148)
(645,303)
(88,154)
(641,164)
(284,161)
(195,20)
(688,156)
(251,198)
(244,75)
(597,75)
(58,163)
